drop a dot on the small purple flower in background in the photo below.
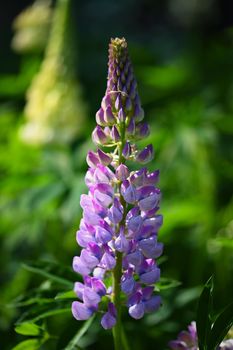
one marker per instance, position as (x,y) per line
(119,229)
(226,345)
(188,340)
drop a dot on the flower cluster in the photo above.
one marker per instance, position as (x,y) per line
(188,340)
(119,229)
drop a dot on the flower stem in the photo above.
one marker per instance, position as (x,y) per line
(117,301)
(117,272)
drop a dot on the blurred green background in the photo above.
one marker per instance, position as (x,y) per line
(52,78)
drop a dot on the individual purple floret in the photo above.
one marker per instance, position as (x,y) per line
(118,232)
(109,318)
(188,340)
(142,301)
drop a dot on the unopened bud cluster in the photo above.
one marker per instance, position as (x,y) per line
(119,228)
(121,107)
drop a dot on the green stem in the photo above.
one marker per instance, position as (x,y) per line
(124,340)
(117,300)
(117,272)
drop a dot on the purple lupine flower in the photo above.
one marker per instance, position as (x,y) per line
(142,301)
(226,345)
(120,211)
(188,340)
(90,293)
(109,319)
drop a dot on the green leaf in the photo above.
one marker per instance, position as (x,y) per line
(30,344)
(167,283)
(74,342)
(31,301)
(187,295)
(223,242)
(28,329)
(203,314)
(171,76)
(67,295)
(70,208)
(220,328)
(190,211)
(125,342)
(50,313)
(48,275)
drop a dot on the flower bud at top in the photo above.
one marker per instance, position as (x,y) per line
(121,77)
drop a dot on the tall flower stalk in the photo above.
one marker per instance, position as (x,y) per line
(54,110)
(119,229)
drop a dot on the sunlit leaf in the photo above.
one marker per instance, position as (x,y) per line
(223,242)
(166,77)
(39,197)
(30,344)
(70,209)
(203,314)
(66,295)
(167,283)
(220,328)
(49,314)
(187,295)
(48,275)
(28,329)
(181,214)
(31,301)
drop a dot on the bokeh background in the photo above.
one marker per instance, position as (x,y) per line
(52,78)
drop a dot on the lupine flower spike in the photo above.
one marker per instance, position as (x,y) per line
(54,110)
(119,229)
